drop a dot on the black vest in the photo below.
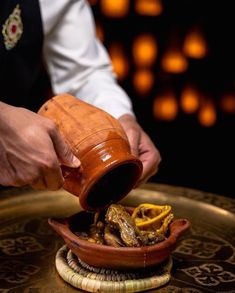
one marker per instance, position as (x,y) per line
(23,81)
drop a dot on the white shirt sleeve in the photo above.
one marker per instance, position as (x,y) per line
(76,61)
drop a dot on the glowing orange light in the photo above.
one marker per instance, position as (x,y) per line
(227,103)
(148,7)
(143,80)
(207,114)
(100,32)
(174,62)
(165,107)
(119,61)
(195,45)
(144,50)
(113,8)
(189,100)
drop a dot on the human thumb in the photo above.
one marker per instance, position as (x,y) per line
(64,153)
(68,159)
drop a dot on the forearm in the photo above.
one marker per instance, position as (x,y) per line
(102,91)
(79,64)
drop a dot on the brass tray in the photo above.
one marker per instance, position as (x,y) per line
(203,261)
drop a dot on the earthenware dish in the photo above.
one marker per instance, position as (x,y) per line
(104,256)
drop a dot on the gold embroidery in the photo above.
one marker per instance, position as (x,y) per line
(13,28)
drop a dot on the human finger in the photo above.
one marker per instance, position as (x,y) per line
(53,177)
(150,158)
(146,175)
(9,175)
(39,184)
(63,151)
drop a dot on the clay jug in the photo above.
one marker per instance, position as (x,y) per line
(108,170)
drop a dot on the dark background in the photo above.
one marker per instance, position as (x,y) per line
(193,155)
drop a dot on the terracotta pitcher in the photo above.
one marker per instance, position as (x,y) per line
(108,169)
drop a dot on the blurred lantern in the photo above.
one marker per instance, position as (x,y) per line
(119,60)
(148,7)
(100,32)
(227,103)
(145,50)
(174,61)
(194,45)
(207,114)
(189,100)
(143,80)
(165,107)
(111,8)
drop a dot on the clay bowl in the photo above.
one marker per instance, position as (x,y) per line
(104,256)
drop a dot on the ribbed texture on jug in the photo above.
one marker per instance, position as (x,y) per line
(108,169)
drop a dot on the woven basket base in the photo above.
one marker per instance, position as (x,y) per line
(92,279)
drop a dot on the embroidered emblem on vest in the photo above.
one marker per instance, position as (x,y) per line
(12,29)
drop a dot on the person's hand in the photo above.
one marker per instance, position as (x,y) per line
(31,150)
(141,146)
